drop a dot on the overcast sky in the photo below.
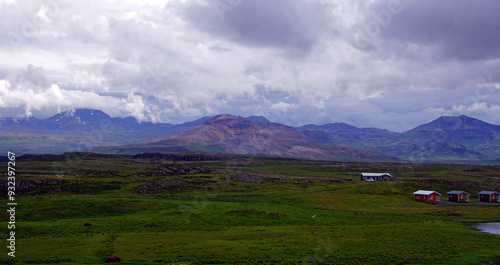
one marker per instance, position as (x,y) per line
(390,64)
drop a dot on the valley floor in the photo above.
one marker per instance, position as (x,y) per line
(246,210)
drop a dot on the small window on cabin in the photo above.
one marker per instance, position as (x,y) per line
(461,196)
(430,197)
(418,196)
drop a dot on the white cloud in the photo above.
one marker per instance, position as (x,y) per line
(29,90)
(477,108)
(159,60)
(282,107)
(135,106)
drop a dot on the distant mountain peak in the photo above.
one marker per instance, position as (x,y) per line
(239,118)
(447,138)
(234,134)
(456,117)
(80,113)
(472,133)
(91,112)
(226,117)
(258,118)
(330,127)
(69,113)
(78,117)
(454,123)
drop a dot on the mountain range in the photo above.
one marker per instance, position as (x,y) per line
(446,139)
(238,135)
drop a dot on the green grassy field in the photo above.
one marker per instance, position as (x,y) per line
(246,210)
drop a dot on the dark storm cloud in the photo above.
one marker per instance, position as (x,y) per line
(33,76)
(467,30)
(277,23)
(382,63)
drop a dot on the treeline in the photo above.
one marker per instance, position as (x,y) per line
(175,157)
(66,156)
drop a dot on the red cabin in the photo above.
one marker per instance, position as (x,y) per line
(489,196)
(426,196)
(458,196)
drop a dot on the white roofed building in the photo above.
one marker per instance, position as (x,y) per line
(371,177)
(426,196)
(489,196)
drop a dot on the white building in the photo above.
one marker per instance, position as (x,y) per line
(371,177)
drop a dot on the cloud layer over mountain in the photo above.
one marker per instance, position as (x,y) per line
(390,64)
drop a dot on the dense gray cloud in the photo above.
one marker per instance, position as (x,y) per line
(295,25)
(386,63)
(466,30)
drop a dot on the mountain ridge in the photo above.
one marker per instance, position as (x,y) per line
(447,138)
(237,135)
(441,139)
(468,133)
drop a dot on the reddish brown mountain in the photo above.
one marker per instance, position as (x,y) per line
(237,135)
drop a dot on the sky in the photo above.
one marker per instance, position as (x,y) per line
(389,64)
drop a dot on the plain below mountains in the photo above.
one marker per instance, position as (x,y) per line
(446,139)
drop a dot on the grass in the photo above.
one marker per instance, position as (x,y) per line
(279,211)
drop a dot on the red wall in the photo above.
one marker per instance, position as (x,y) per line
(425,198)
(422,198)
(434,198)
(456,198)
(486,198)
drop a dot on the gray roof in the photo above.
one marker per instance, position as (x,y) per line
(484,192)
(375,174)
(457,192)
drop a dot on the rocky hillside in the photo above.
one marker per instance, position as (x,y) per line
(237,135)
(458,138)
(463,132)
